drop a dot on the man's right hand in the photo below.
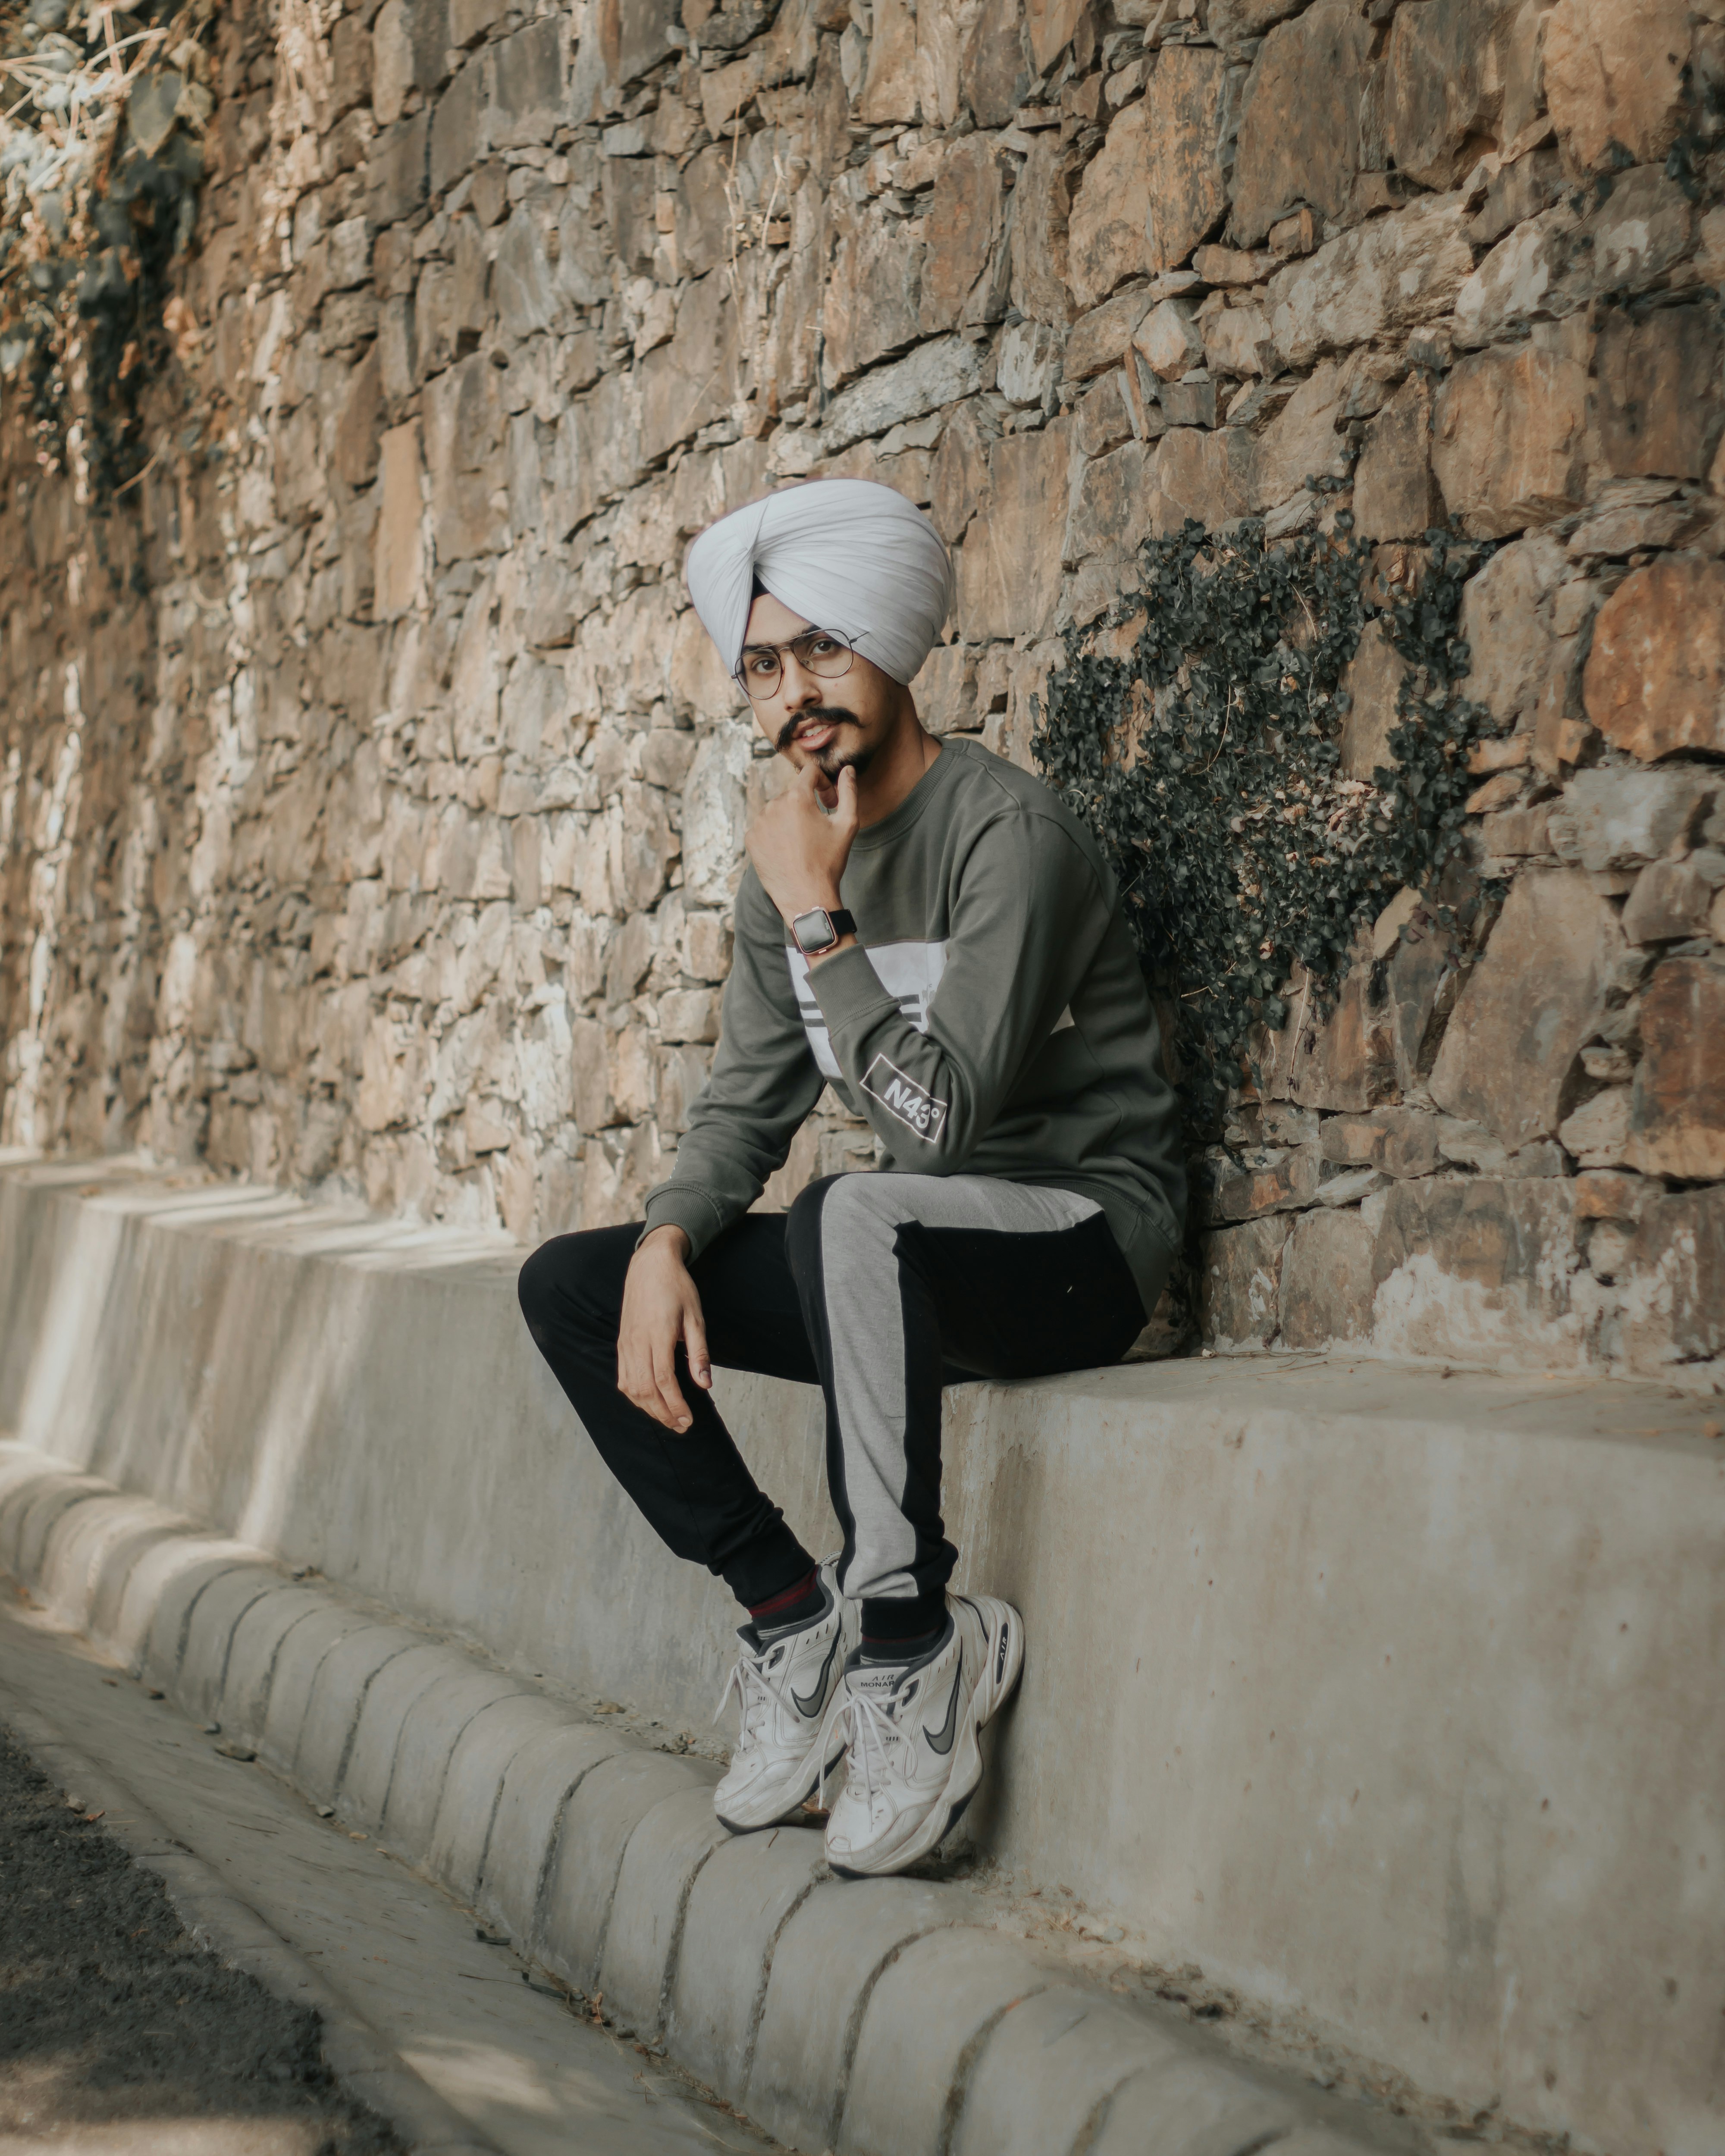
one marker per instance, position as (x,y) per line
(661,1307)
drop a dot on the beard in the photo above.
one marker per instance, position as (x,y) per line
(832,759)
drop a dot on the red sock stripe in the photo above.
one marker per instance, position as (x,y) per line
(786,1598)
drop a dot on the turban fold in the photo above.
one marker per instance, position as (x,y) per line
(847,554)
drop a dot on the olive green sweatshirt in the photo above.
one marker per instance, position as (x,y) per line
(991,1019)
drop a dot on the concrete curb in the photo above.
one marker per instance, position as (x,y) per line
(870,2018)
(368,2066)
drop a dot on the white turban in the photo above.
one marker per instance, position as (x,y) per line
(844,553)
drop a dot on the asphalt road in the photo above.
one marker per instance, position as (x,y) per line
(111,2016)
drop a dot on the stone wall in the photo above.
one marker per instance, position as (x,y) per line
(372,802)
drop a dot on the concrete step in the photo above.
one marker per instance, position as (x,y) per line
(871,2018)
(1379,1695)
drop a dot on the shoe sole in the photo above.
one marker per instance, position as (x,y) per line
(999,1682)
(792,1807)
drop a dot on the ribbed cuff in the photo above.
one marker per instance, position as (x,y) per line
(688,1209)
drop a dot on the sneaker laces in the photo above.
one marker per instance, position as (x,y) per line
(755,1692)
(868,1729)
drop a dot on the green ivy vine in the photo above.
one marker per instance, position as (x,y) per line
(1197,730)
(102,113)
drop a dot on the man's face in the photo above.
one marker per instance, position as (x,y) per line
(830,721)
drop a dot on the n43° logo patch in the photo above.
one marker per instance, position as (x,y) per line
(902,1097)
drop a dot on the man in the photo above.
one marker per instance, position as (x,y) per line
(929,931)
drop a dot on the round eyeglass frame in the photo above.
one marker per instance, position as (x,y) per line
(758,694)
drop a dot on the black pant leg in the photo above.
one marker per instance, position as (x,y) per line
(693,1487)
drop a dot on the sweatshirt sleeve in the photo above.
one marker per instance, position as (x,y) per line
(1028,916)
(763,1083)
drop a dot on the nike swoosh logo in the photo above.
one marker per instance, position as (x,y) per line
(940,1740)
(812,1706)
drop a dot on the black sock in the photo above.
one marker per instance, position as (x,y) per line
(793,1607)
(900,1630)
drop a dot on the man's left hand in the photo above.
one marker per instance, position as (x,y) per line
(798,851)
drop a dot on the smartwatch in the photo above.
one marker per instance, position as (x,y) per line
(818,931)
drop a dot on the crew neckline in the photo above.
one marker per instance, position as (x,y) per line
(913,804)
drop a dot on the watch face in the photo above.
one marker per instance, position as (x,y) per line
(814,931)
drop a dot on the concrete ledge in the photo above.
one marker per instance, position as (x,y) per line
(603,1859)
(1371,1691)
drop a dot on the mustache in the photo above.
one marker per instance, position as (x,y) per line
(830,714)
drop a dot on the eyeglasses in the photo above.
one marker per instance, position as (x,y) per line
(823,652)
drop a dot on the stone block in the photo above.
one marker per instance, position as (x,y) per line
(1107,236)
(1344,1058)
(1009,566)
(1506,620)
(1597,1134)
(1265,1179)
(431,1733)
(1506,1056)
(964,269)
(258,1633)
(1327,1282)
(1674,1299)
(163,1644)
(538,1785)
(1443,85)
(1301,442)
(993,69)
(1237,342)
(75,1551)
(1394,493)
(634,37)
(601,1813)
(1049,2067)
(457,127)
(356,449)
(1105,418)
(398,171)
(1475,1257)
(1617,819)
(1111,510)
(664,1854)
(1402,1141)
(299,1656)
(888,87)
(1393,273)
(462,423)
(1192,2103)
(1102,338)
(1508,448)
(1657,404)
(344,1677)
(1186,107)
(527,86)
(523,286)
(1613,80)
(826,1963)
(472,1783)
(1300,120)
(738,1904)
(939,373)
(1202,475)
(362,1790)
(923,2016)
(211,1627)
(1372,682)
(1041,219)
(1671,900)
(1655,677)
(1240,1282)
(1169,340)
(1677,1114)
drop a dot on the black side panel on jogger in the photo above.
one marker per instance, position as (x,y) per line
(880,1289)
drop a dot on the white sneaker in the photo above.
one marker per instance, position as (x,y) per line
(785,1685)
(914,1760)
